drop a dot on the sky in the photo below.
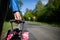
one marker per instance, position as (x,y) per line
(30,4)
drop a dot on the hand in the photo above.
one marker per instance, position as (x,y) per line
(17,16)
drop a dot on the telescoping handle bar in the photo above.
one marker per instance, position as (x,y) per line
(18,21)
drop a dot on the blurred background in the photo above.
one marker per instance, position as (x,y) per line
(37,12)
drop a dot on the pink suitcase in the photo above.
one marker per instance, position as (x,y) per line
(16,34)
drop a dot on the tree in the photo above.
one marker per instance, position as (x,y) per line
(28,14)
(53,10)
(37,11)
(57,10)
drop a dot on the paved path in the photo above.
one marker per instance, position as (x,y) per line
(42,32)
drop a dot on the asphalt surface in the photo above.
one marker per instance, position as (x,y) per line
(42,32)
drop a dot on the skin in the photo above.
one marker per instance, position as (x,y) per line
(17,16)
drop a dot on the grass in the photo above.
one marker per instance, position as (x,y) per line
(6,27)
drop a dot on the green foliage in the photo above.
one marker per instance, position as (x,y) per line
(39,10)
(57,4)
(53,10)
(28,14)
(46,13)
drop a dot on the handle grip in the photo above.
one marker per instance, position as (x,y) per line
(18,21)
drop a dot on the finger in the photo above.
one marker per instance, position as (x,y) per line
(20,18)
(15,17)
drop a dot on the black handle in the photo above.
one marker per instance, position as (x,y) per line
(18,21)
